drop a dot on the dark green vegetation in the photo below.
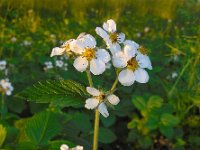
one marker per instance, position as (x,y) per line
(162,114)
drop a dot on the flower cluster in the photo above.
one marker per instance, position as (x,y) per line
(127,56)
(66,147)
(6,87)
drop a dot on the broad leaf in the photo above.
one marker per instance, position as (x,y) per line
(42,127)
(169,120)
(167,131)
(58,92)
(139,103)
(106,136)
(154,102)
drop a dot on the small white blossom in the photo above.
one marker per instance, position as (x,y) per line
(48,65)
(2,65)
(132,60)
(59,63)
(6,87)
(110,36)
(78,147)
(146,29)
(64,147)
(13,39)
(26,43)
(99,100)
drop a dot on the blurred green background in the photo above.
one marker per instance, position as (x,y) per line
(162,114)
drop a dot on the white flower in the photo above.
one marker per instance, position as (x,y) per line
(110,36)
(2,65)
(59,63)
(64,49)
(64,147)
(13,39)
(174,75)
(132,60)
(99,100)
(89,55)
(27,43)
(6,86)
(48,65)
(78,147)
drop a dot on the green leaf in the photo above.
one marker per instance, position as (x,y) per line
(106,136)
(145,142)
(82,122)
(139,103)
(152,122)
(107,122)
(58,92)
(154,102)
(42,127)
(26,146)
(3,133)
(167,131)
(169,120)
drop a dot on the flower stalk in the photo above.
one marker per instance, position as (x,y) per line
(96,122)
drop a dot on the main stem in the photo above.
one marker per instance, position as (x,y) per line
(96,122)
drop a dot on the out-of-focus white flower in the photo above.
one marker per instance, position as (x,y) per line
(48,65)
(6,86)
(110,36)
(146,29)
(26,43)
(174,75)
(89,55)
(78,147)
(132,60)
(64,147)
(99,100)
(138,34)
(59,63)
(13,39)
(2,64)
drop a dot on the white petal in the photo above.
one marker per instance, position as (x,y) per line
(119,60)
(121,38)
(103,55)
(126,77)
(88,41)
(93,91)
(97,66)
(114,48)
(64,147)
(129,51)
(110,25)
(67,43)
(76,47)
(141,76)
(144,61)
(81,63)
(134,44)
(113,99)
(103,110)
(57,51)
(91,103)
(78,147)
(101,32)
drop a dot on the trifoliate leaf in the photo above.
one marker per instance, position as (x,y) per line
(169,120)
(154,102)
(106,136)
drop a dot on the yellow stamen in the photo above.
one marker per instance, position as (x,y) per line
(89,53)
(132,64)
(143,50)
(113,37)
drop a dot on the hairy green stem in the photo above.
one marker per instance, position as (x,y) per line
(96,122)
(115,82)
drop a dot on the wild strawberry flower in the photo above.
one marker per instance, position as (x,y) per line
(2,64)
(65,48)
(110,35)
(89,56)
(100,100)
(66,147)
(6,87)
(132,59)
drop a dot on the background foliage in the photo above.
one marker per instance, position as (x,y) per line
(162,114)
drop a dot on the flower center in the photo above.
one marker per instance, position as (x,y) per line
(132,64)
(89,53)
(143,50)
(113,37)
